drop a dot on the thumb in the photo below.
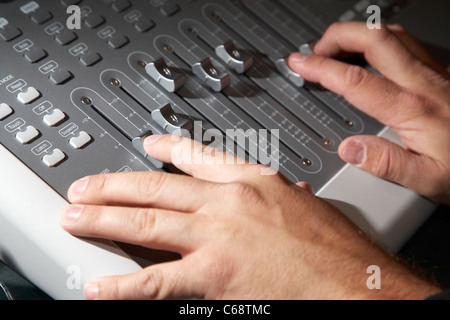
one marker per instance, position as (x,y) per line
(390,161)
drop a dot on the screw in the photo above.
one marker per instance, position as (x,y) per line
(142,63)
(236,54)
(349,123)
(215,15)
(115,82)
(86,100)
(167,72)
(328,142)
(167,47)
(213,71)
(307,162)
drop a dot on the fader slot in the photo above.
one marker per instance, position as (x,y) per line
(241,24)
(265,111)
(316,124)
(105,115)
(110,115)
(146,94)
(216,111)
(349,122)
(268,13)
(153,95)
(118,84)
(303,14)
(261,107)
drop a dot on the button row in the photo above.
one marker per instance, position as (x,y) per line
(31,134)
(35,54)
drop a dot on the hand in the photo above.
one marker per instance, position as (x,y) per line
(413,98)
(241,235)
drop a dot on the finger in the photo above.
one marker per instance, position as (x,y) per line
(381,48)
(198,160)
(143,189)
(172,280)
(378,97)
(392,162)
(306,186)
(152,228)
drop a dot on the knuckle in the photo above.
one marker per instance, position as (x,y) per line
(114,292)
(418,105)
(382,167)
(244,193)
(355,77)
(387,166)
(101,184)
(217,270)
(149,185)
(143,225)
(151,283)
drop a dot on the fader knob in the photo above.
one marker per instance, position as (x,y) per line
(167,119)
(306,48)
(138,144)
(210,75)
(293,77)
(234,58)
(166,76)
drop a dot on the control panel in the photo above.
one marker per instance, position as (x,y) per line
(77,101)
(84,82)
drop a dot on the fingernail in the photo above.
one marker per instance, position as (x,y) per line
(152,139)
(72,214)
(91,291)
(354,153)
(297,58)
(79,186)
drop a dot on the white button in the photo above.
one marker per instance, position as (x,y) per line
(28,96)
(5,111)
(28,135)
(81,141)
(55,118)
(54,159)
